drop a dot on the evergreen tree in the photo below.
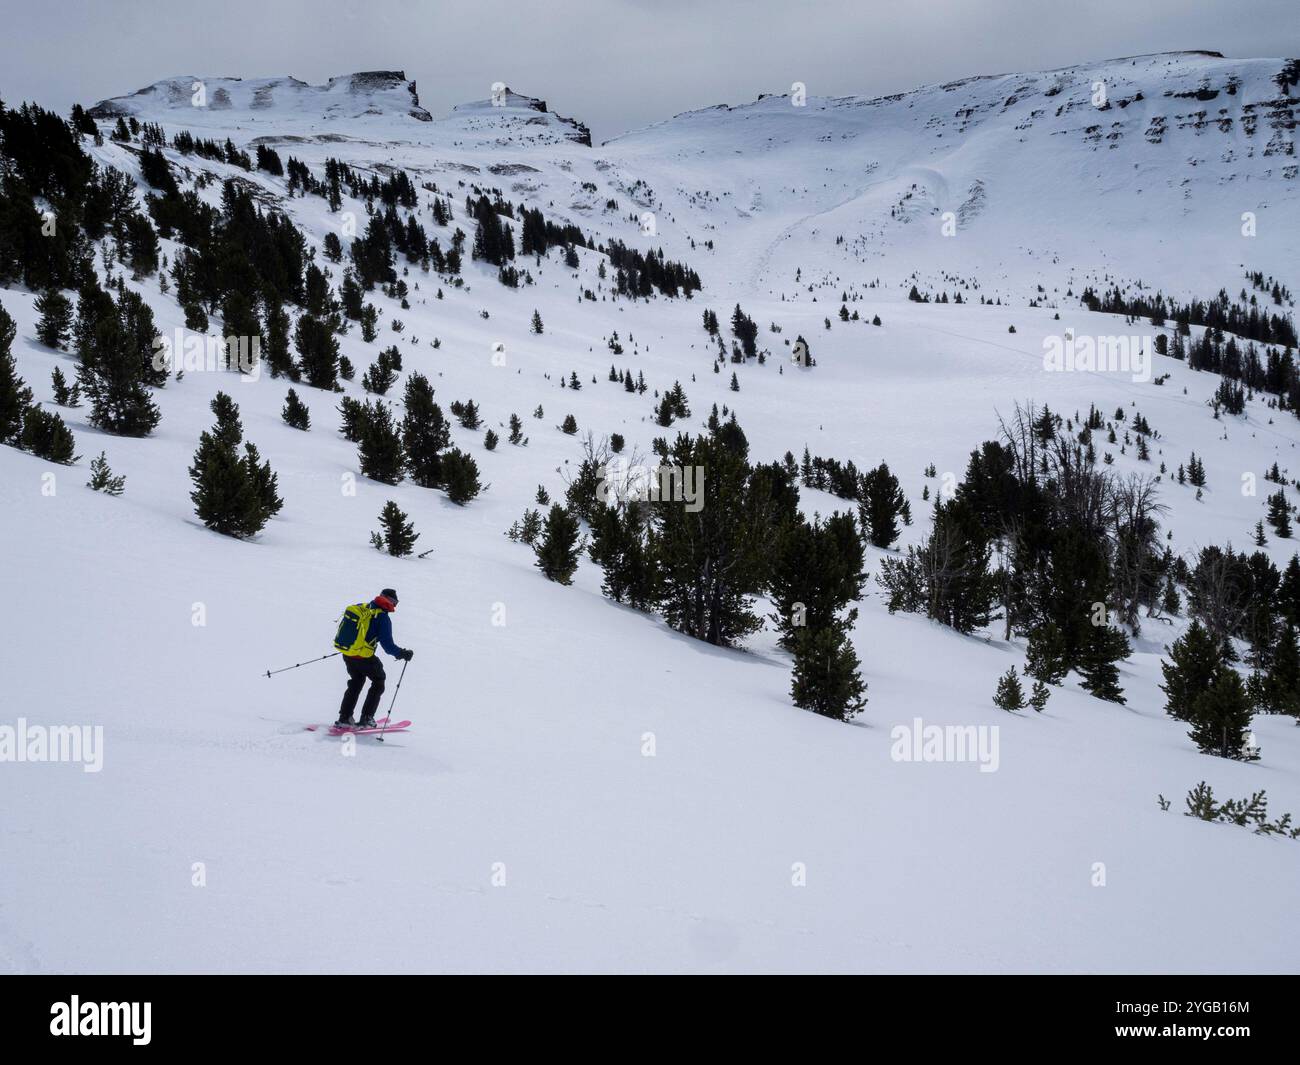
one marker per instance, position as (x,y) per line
(64,395)
(1221,716)
(102,478)
(468,415)
(1100,675)
(460,476)
(1045,657)
(882,505)
(228,428)
(818,570)
(398,535)
(490,440)
(1038,698)
(354,419)
(380,377)
(379,451)
(826,677)
(557,554)
(265,488)
(1279,515)
(713,554)
(570,425)
(1194,660)
(619,546)
(1010,695)
(223,496)
(295,412)
(46,437)
(233,496)
(537,323)
(425,433)
(1279,690)
(279,359)
(318,352)
(116,346)
(55,323)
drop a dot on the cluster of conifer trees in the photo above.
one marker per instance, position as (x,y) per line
(712,535)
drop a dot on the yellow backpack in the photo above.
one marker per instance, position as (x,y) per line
(353,635)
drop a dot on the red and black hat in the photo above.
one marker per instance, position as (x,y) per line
(387,600)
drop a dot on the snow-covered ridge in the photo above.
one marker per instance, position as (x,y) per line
(511,109)
(385,93)
(1175,74)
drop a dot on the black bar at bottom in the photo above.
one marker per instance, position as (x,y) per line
(171,1013)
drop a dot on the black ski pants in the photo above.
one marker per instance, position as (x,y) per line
(361,670)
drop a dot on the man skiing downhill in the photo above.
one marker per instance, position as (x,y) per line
(363,629)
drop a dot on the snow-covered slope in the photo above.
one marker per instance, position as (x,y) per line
(1136,168)
(522,824)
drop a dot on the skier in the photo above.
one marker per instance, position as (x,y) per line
(364,628)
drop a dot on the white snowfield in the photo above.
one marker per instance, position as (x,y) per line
(584,789)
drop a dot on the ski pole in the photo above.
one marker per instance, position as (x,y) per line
(389,718)
(271,672)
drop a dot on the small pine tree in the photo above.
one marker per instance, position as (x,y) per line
(1010,695)
(265,488)
(516,430)
(1038,697)
(1194,660)
(490,440)
(570,425)
(425,433)
(55,322)
(1045,655)
(398,535)
(369,323)
(354,419)
(228,428)
(460,476)
(295,412)
(537,323)
(379,451)
(1279,515)
(559,550)
(826,678)
(46,437)
(223,495)
(1221,717)
(102,478)
(1100,675)
(469,415)
(380,377)
(64,395)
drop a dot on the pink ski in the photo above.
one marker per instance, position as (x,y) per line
(399,726)
(379,723)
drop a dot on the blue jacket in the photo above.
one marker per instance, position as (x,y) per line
(382,626)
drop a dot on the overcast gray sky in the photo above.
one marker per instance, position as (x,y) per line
(614,64)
